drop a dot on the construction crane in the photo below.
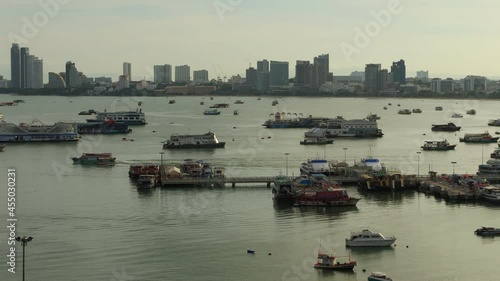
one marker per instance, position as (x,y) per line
(215,72)
(222,72)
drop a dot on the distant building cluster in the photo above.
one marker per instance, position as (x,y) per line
(268,75)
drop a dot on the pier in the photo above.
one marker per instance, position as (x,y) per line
(451,192)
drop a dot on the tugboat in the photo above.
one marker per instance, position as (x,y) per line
(438,145)
(326,261)
(100,159)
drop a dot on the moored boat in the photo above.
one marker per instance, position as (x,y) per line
(211,112)
(171,101)
(379,276)
(146,181)
(331,262)
(239,102)
(334,197)
(38,132)
(416,110)
(368,238)
(283,189)
(236,112)
(100,159)
(318,141)
(404,111)
(487,231)
(106,127)
(479,138)
(87,112)
(438,108)
(490,193)
(372,117)
(494,122)
(495,154)
(138,169)
(220,105)
(471,112)
(450,127)
(438,145)
(208,140)
(129,117)
(456,115)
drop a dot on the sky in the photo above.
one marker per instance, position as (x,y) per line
(449,38)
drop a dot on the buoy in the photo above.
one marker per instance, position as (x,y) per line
(250,252)
(406,246)
(269,254)
(364,270)
(234,127)
(154,131)
(269,137)
(131,140)
(233,139)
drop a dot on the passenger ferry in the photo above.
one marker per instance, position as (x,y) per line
(129,117)
(284,120)
(100,159)
(38,132)
(494,122)
(450,127)
(107,127)
(479,138)
(208,140)
(346,128)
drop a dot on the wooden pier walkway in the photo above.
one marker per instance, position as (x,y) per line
(446,190)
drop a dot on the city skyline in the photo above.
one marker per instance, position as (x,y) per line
(212,33)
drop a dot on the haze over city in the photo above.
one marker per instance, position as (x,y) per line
(448,38)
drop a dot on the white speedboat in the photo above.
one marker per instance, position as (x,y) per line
(379,276)
(368,238)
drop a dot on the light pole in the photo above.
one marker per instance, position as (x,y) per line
(418,163)
(286,156)
(161,158)
(24,241)
(345,154)
(453,163)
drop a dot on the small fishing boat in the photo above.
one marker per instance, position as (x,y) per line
(326,261)
(139,103)
(239,102)
(379,276)
(404,111)
(438,145)
(171,101)
(416,110)
(146,181)
(471,112)
(236,112)
(438,108)
(457,115)
(368,238)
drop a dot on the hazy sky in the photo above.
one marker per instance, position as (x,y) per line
(450,38)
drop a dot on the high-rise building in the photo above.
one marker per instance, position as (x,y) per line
(263,66)
(72,75)
(320,70)
(200,76)
(278,73)
(25,52)
(436,85)
(398,70)
(263,81)
(384,79)
(123,83)
(323,59)
(163,73)
(56,81)
(372,77)
(182,74)
(30,59)
(15,66)
(303,73)
(448,85)
(359,74)
(127,70)
(37,77)
(251,76)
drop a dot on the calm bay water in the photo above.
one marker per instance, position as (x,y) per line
(91,223)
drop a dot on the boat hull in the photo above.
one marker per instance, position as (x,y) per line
(184,146)
(338,266)
(340,203)
(445,148)
(369,243)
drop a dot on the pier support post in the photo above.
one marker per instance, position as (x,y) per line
(268,184)
(233,185)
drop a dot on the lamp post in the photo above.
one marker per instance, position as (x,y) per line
(345,161)
(161,158)
(418,163)
(24,241)
(286,156)
(453,163)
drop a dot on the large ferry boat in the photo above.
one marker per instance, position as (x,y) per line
(106,127)
(492,167)
(283,189)
(208,140)
(283,120)
(100,159)
(345,128)
(316,166)
(129,117)
(490,193)
(38,132)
